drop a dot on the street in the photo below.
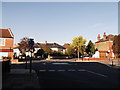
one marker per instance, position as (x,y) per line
(75,75)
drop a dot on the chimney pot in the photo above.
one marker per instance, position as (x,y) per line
(45,42)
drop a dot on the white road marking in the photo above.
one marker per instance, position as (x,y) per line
(51,70)
(71,70)
(81,70)
(96,73)
(60,70)
(42,70)
(44,63)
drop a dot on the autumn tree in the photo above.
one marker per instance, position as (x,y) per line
(23,45)
(116,46)
(78,43)
(70,51)
(47,50)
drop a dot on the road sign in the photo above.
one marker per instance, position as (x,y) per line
(31,42)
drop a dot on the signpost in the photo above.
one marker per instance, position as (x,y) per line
(31,43)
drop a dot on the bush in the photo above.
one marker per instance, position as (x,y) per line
(6,58)
(55,53)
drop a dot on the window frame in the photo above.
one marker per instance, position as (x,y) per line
(2,41)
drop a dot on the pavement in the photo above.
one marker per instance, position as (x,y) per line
(20,78)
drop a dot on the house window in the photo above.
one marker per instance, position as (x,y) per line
(2,42)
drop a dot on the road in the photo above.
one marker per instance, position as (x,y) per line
(75,75)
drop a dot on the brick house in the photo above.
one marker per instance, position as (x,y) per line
(6,43)
(104,45)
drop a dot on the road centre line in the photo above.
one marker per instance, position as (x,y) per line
(72,70)
(51,70)
(60,70)
(42,70)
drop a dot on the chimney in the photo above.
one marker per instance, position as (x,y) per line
(98,38)
(45,42)
(104,36)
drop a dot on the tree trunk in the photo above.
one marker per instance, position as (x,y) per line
(118,59)
(78,54)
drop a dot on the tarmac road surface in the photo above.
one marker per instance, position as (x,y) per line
(76,75)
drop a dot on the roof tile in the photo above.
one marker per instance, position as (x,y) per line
(6,33)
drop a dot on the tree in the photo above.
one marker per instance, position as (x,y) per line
(82,50)
(47,50)
(116,46)
(23,45)
(70,51)
(78,43)
(90,49)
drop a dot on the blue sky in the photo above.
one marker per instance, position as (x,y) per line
(60,22)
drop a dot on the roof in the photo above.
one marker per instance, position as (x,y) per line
(16,46)
(51,45)
(101,40)
(110,37)
(40,45)
(6,33)
(37,45)
(66,45)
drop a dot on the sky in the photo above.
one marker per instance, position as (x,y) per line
(60,22)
